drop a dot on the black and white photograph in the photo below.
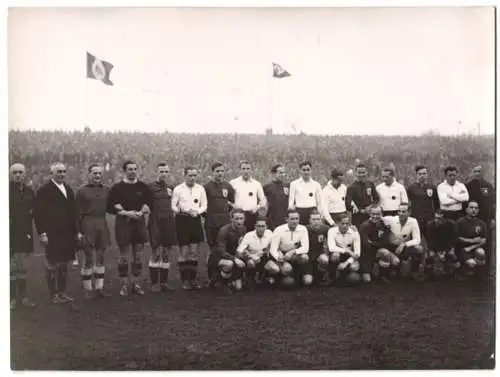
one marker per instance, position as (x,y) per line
(252,188)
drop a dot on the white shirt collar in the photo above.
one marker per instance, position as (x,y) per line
(128,181)
(57,184)
(250,179)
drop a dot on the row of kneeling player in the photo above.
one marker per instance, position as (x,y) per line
(384,247)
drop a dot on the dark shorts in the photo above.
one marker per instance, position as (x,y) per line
(250,220)
(337,216)
(359,218)
(304,214)
(390,213)
(61,247)
(260,266)
(162,232)
(189,230)
(453,215)
(463,255)
(406,253)
(367,259)
(130,232)
(95,232)
(211,232)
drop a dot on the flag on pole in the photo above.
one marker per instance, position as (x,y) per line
(98,69)
(279,72)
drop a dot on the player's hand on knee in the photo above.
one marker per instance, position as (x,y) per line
(272,268)
(334,257)
(251,264)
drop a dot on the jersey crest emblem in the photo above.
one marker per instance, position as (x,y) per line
(321,238)
(380,233)
(369,191)
(169,191)
(430,192)
(478,229)
(285,190)
(224,193)
(484,191)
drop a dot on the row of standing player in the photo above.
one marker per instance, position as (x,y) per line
(62,215)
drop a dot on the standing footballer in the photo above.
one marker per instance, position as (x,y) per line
(220,199)
(56,223)
(305,194)
(423,198)
(391,193)
(130,200)
(249,195)
(277,197)
(21,206)
(189,202)
(334,194)
(452,195)
(161,226)
(363,193)
(91,201)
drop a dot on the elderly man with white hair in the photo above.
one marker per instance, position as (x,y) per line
(56,223)
(21,202)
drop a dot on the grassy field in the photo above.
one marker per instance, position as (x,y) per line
(408,325)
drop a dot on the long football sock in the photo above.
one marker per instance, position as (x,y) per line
(51,277)
(99,277)
(164,270)
(62,277)
(182,271)
(154,270)
(86,274)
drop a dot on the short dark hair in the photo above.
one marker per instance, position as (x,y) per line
(472,201)
(336,173)
(388,169)
(92,166)
(420,167)
(344,216)
(314,212)
(361,166)
(275,168)
(450,168)
(305,163)
(216,165)
(245,162)
(235,211)
(161,165)
(127,163)
(261,218)
(189,167)
(292,211)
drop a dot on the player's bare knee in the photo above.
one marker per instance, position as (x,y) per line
(367,278)
(323,260)
(479,253)
(272,268)
(226,265)
(335,257)
(302,259)
(471,263)
(251,264)
(307,279)
(354,266)
(286,269)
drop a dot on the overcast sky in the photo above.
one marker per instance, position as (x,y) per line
(356,71)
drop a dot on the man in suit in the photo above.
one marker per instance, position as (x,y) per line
(21,201)
(56,223)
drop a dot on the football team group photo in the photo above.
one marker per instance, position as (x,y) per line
(180,200)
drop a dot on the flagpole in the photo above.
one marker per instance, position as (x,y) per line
(270,101)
